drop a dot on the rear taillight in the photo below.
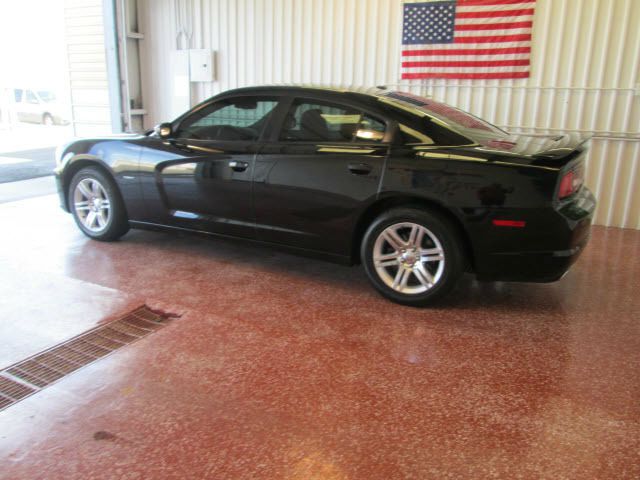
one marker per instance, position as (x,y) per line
(571,182)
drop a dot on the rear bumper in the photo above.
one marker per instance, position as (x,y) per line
(533,266)
(58,120)
(569,231)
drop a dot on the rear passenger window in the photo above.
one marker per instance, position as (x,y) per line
(410,135)
(421,130)
(315,121)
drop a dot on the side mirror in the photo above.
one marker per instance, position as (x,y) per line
(163,130)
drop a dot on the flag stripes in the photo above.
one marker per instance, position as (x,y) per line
(467,38)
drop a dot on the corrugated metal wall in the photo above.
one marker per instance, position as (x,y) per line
(89,91)
(585,69)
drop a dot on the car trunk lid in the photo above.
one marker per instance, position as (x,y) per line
(564,153)
(541,150)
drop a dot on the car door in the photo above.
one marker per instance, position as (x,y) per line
(317,173)
(31,107)
(200,178)
(19,103)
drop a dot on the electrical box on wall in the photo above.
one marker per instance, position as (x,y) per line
(201,65)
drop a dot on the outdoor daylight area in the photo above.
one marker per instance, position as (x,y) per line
(44,71)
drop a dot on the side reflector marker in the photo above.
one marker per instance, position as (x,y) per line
(509,223)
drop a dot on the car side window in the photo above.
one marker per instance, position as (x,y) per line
(31,97)
(241,118)
(17,94)
(319,121)
(421,130)
(411,135)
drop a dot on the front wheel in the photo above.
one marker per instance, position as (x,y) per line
(412,256)
(97,206)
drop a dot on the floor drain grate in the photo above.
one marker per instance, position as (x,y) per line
(28,376)
(12,391)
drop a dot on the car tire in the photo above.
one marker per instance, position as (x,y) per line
(47,119)
(96,205)
(412,256)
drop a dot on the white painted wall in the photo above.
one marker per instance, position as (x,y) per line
(585,69)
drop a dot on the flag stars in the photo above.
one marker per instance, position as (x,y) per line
(432,22)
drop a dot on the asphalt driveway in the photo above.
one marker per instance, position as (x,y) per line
(26,164)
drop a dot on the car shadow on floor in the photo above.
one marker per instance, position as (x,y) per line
(220,262)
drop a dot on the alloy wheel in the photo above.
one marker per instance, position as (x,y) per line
(92,205)
(408,258)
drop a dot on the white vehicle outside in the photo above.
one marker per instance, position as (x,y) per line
(38,106)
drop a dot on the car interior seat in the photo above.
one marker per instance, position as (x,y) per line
(313,126)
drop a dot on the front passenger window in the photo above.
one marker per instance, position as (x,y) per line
(239,119)
(31,97)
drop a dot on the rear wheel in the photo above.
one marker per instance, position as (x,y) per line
(412,256)
(97,206)
(47,119)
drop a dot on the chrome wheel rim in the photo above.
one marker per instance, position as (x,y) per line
(92,205)
(408,258)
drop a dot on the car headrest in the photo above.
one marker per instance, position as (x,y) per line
(348,130)
(313,126)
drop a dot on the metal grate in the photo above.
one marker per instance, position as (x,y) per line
(28,376)
(12,391)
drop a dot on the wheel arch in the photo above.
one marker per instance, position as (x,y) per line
(383,204)
(78,163)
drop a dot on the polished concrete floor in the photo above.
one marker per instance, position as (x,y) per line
(289,368)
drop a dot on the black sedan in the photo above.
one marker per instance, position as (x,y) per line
(414,189)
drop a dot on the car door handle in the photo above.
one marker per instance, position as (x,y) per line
(360,168)
(179,146)
(238,166)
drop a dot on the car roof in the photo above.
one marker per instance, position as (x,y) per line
(309,88)
(368,97)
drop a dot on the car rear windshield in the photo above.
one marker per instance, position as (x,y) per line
(464,122)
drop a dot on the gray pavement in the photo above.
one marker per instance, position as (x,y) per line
(26,164)
(35,187)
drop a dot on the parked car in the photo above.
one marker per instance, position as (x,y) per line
(38,106)
(414,189)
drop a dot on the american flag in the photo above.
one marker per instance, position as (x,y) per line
(467,38)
